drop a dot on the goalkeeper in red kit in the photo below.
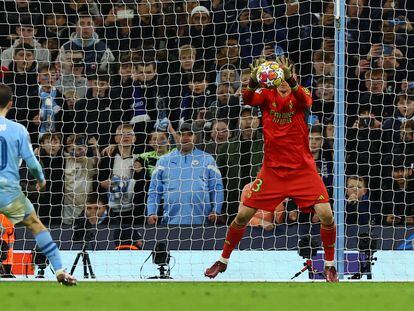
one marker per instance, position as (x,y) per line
(288,169)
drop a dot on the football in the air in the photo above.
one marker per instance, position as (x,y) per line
(270,75)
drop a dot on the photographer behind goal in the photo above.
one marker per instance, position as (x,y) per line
(94,214)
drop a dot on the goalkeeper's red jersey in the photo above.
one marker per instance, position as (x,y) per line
(286,135)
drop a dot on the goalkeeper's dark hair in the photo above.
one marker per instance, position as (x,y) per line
(6,95)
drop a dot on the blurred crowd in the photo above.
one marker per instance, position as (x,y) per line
(140,101)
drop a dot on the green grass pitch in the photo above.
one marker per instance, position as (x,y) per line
(212,296)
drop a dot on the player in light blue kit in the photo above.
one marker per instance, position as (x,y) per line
(14,147)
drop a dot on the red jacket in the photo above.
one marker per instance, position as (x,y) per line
(285,130)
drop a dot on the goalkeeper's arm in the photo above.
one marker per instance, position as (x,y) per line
(250,96)
(302,95)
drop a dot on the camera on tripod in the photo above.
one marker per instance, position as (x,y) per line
(83,235)
(40,260)
(367,246)
(161,257)
(307,249)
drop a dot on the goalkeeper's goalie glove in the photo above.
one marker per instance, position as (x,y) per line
(253,71)
(288,69)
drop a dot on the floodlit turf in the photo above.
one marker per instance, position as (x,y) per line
(212,296)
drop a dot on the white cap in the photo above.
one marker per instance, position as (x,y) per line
(200,9)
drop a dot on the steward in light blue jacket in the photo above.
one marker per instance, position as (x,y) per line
(190,186)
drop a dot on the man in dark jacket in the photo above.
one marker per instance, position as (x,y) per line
(94,114)
(241,159)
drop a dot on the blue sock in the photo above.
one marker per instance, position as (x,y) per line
(49,249)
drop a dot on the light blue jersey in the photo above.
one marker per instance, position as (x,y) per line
(190,186)
(14,147)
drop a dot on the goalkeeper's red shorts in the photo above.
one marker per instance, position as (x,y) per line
(273,185)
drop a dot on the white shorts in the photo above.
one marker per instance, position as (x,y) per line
(18,210)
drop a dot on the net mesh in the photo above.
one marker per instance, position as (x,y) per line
(103,87)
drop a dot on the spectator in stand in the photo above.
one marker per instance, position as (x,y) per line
(228,74)
(227,105)
(395,65)
(247,23)
(200,32)
(323,66)
(376,95)
(363,156)
(22,78)
(229,54)
(50,155)
(395,32)
(148,13)
(184,11)
(43,121)
(74,8)
(195,103)
(97,56)
(146,95)
(93,215)
(219,137)
(144,166)
(391,127)
(302,35)
(359,210)
(72,74)
(179,79)
(324,104)
(244,82)
(65,119)
(117,177)
(189,182)
(121,31)
(406,147)
(26,33)
(358,25)
(12,13)
(49,103)
(187,61)
(94,115)
(241,159)
(56,27)
(79,172)
(257,29)
(46,78)
(123,89)
(323,157)
(398,197)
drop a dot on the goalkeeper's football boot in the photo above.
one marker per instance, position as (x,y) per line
(66,279)
(216,268)
(330,274)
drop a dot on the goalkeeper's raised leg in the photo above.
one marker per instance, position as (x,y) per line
(14,147)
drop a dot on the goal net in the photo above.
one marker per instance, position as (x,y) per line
(135,112)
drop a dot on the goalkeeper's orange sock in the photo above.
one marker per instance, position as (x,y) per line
(328,237)
(233,237)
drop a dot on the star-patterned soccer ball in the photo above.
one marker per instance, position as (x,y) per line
(270,75)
